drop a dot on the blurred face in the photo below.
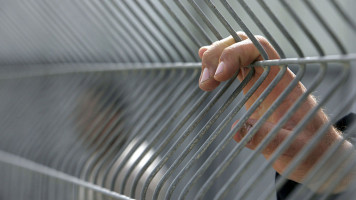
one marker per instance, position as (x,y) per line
(97,118)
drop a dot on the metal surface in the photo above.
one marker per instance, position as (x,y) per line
(100,99)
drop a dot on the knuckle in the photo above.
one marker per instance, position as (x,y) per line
(210,56)
(242,35)
(260,37)
(262,40)
(206,56)
(229,51)
(216,43)
(203,48)
(225,53)
(232,54)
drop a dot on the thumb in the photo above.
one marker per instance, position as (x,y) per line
(261,133)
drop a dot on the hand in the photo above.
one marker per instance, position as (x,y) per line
(222,59)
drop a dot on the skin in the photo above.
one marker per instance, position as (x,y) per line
(223,58)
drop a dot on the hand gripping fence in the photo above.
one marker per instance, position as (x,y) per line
(101,100)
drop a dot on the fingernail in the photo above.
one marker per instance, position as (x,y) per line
(220,68)
(206,75)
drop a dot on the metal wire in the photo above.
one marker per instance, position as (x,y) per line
(100,99)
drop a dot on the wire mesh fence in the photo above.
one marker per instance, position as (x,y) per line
(101,99)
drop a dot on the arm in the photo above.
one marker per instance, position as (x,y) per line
(219,63)
(342,125)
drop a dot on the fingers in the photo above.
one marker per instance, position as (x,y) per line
(210,59)
(286,156)
(210,56)
(202,51)
(298,143)
(222,59)
(260,135)
(234,57)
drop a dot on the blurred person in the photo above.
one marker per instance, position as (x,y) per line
(103,98)
(222,59)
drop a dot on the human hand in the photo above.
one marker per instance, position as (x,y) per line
(222,59)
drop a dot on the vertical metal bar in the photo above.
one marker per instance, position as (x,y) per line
(158,134)
(160,30)
(223,20)
(260,25)
(133,35)
(211,138)
(169,137)
(44,145)
(36,168)
(65,36)
(104,29)
(121,130)
(199,136)
(342,175)
(148,30)
(141,108)
(57,129)
(20,41)
(338,43)
(246,30)
(24,39)
(205,19)
(70,31)
(285,144)
(234,177)
(91,135)
(322,161)
(155,119)
(316,138)
(342,13)
(244,141)
(222,144)
(175,33)
(122,16)
(6,119)
(183,136)
(80,48)
(166,124)
(326,27)
(333,169)
(303,27)
(61,41)
(184,28)
(143,117)
(105,130)
(150,129)
(193,21)
(281,28)
(60,147)
(22,144)
(127,41)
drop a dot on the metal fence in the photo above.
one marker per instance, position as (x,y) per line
(100,99)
